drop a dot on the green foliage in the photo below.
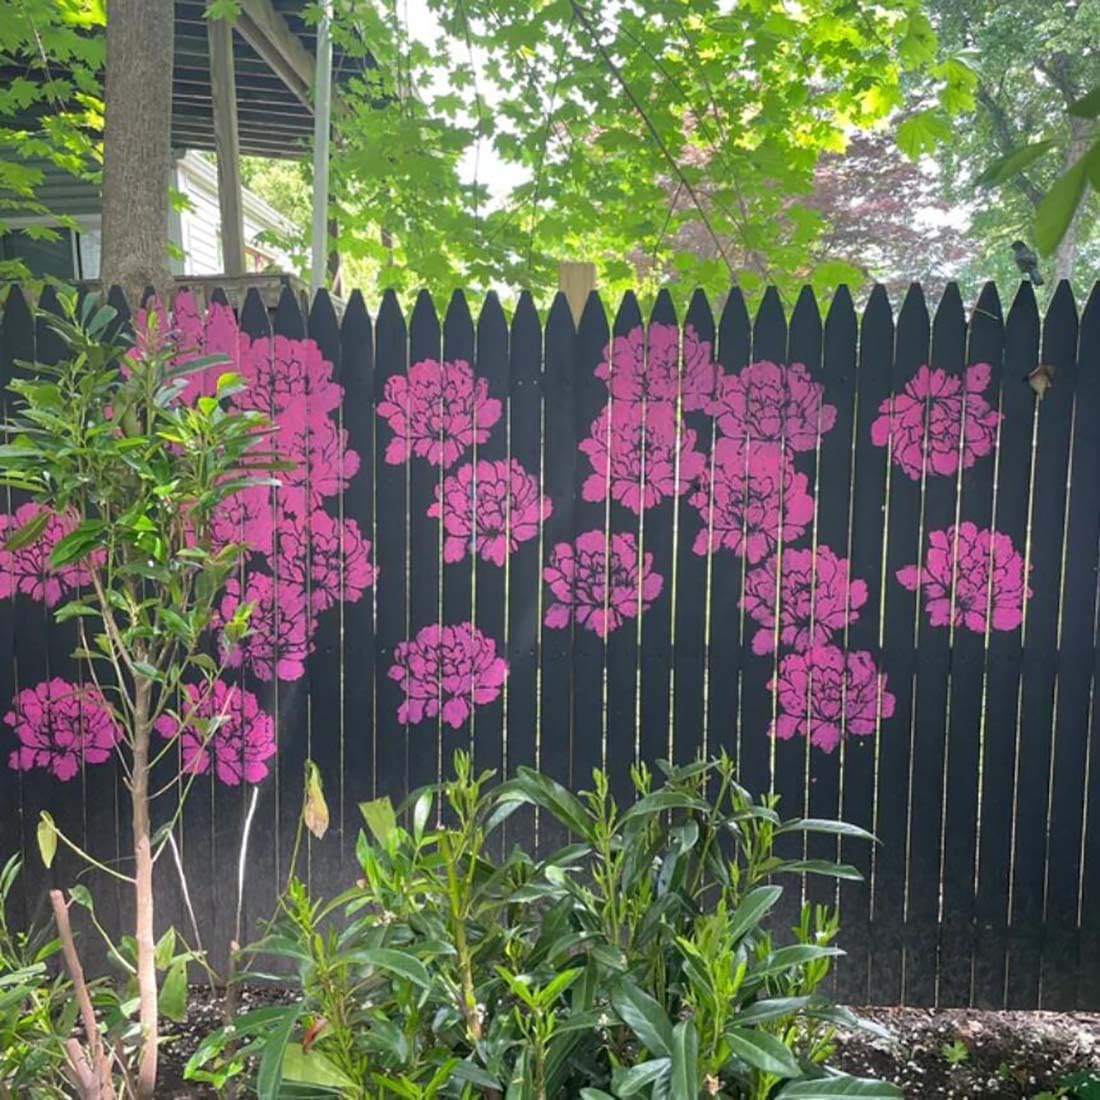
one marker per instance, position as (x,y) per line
(634,961)
(955,1053)
(36,1010)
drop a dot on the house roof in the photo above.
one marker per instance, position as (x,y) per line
(273,86)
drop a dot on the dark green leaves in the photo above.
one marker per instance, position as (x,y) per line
(1003,169)
(30,532)
(644,1016)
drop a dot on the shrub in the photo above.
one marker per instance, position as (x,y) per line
(634,961)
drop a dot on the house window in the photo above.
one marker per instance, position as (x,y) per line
(43,258)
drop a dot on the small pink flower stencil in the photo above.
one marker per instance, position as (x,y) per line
(448,670)
(60,726)
(278,641)
(614,449)
(817,599)
(758,497)
(630,377)
(772,403)
(228,729)
(489,510)
(27,572)
(977,568)
(827,696)
(597,588)
(437,411)
(324,464)
(290,380)
(959,419)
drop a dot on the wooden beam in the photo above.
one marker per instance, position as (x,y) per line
(576,281)
(269,34)
(227,144)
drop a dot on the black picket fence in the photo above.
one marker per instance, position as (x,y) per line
(858,555)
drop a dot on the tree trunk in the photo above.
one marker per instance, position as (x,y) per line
(143,897)
(1065,257)
(137,145)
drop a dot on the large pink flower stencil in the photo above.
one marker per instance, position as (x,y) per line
(816,599)
(223,726)
(437,411)
(331,557)
(634,372)
(827,695)
(489,510)
(972,577)
(937,421)
(290,380)
(447,670)
(60,727)
(755,498)
(278,640)
(769,402)
(615,450)
(598,584)
(27,572)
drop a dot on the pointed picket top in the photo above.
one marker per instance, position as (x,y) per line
(288,315)
(49,346)
(806,313)
(950,311)
(664,309)
(1024,306)
(629,314)
(560,315)
(769,333)
(491,321)
(424,316)
(322,314)
(734,332)
(804,338)
(458,312)
(1059,346)
(217,296)
(700,316)
(914,309)
(988,307)
(1090,321)
(391,320)
(1061,305)
(841,320)
(254,317)
(356,320)
(526,315)
(356,364)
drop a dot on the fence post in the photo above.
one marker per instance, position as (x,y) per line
(577,280)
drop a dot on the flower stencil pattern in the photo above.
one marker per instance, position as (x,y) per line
(939,419)
(754,498)
(228,730)
(278,642)
(635,373)
(598,585)
(437,412)
(972,577)
(60,726)
(27,572)
(827,696)
(489,510)
(447,670)
(615,450)
(816,599)
(772,403)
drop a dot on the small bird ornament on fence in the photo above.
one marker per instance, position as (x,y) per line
(1027,262)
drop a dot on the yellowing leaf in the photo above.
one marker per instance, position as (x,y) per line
(47,838)
(315,808)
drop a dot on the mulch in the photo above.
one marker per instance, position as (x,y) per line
(963,1054)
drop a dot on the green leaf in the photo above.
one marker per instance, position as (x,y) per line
(660,801)
(47,838)
(763,1052)
(595,1094)
(380,818)
(753,908)
(775,1008)
(824,825)
(269,1075)
(685,1059)
(165,949)
(829,1088)
(397,962)
(1088,106)
(643,1015)
(77,544)
(1004,168)
(821,867)
(313,1068)
(631,1081)
(29,533)
(920,133)
(173,993)
(1058,206)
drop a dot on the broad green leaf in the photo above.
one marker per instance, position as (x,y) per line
(172,1001)
(763,1052)
(313,1068)
(824,825)
(1004,168)
(380,818)
(830,1088)
(821,867)
(421,812)
(165,949)
(920,133)
(47,838)
(755,905)
(643,1015)
(397,962)
(269,1075)
(774,1008)
(631,1081)
(1058,207)
(1088,106)
(685,1059)
(660,801)
(29,533)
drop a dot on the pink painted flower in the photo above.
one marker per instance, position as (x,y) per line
(614,449)
(437,411)
(279,640)
(826,695)
(60,726)
(245,517)
(977,570)
(27,572)
(227,728)
(290,380)
(331,557)
(451,667)
(631,377)
(772,403)
(938,416)
(323,463)
(758,498)
(507,510)
(818,599)
(597,588)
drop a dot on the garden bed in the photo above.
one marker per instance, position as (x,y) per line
(959,1053)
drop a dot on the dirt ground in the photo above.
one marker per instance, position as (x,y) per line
(959,1053)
